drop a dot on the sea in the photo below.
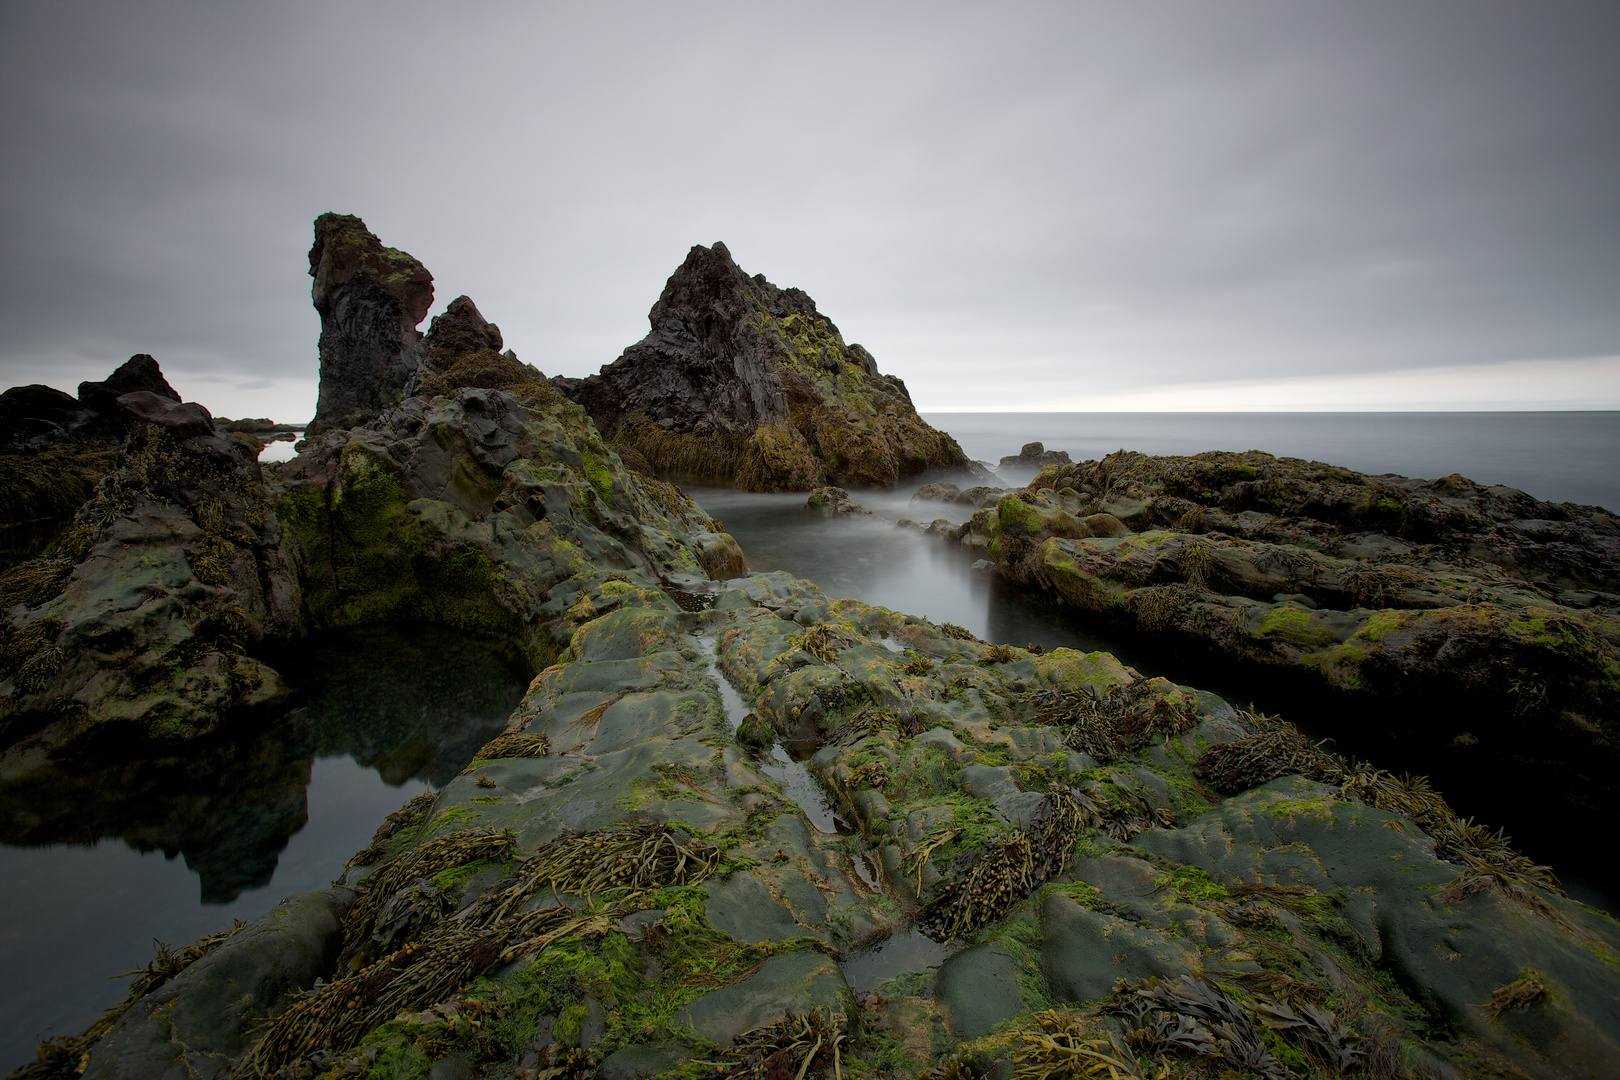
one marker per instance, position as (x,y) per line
(96,865)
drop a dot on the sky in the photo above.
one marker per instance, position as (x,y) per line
(1154,205)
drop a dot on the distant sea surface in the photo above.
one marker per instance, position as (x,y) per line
(1555,456)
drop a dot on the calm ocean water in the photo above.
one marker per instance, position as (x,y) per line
(1556,456)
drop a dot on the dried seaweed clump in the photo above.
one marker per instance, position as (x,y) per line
(1521,993)
(446,954)
(635,858)
(1006,870)
(1190,1016)
(33,582)
(521,745)
(1108,727)
(1060,1046)
(1265,755)
(951,630)
(798,1045)
(822,642)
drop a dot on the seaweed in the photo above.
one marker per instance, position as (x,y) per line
(1521,993)
(520,745)
(794,1046)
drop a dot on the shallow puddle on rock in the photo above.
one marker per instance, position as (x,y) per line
(907,952)
(797,783)
(869,870)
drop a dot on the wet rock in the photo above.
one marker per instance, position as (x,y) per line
(193,1025)
(978,989)
(833,501)
(745,383)
(1083,952)
(797,982)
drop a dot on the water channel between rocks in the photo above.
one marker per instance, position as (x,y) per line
(904,952)
(100,859)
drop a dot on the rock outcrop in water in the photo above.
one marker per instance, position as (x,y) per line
(1483,610)
(743,383)
(469,504)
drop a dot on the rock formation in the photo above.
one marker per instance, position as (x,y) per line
(1479,609)
(370,299)
(1012,857)
(1034,455)
(743,383)
(54,449)
(619,885)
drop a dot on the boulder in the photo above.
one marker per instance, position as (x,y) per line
(1034,455)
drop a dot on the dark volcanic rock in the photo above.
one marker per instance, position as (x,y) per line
(747,383)
(1034,455)
(139,373)
(54,448)
(371,299)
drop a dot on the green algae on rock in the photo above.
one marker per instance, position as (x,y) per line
(1377,586)
(744,383)
(644,891)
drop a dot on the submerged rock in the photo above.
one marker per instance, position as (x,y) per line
(745,383)
(834,501)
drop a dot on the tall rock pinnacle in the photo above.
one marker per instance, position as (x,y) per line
(371,299)
(747,383)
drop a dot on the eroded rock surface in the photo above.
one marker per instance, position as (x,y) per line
(1498,610)
(617,881)
(745,383)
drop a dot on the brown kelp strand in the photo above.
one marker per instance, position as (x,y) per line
(334,1018)
(522,745)
(798,1045)
(1108,727)
(1004,871)
(1191,1016)
(636,858)
(433,857)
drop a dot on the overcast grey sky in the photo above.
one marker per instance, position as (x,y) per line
(1191,204)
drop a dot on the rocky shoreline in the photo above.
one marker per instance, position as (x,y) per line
(739,828)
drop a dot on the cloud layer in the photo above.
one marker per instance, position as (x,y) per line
(1162,205)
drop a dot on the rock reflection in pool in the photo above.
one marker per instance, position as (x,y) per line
(381,714)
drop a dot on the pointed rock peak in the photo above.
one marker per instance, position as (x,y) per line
(461,329)
(139,372)
(345,248)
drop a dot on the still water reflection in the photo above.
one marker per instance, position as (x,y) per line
(101,858)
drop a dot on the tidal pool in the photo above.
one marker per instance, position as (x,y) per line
(101,858)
